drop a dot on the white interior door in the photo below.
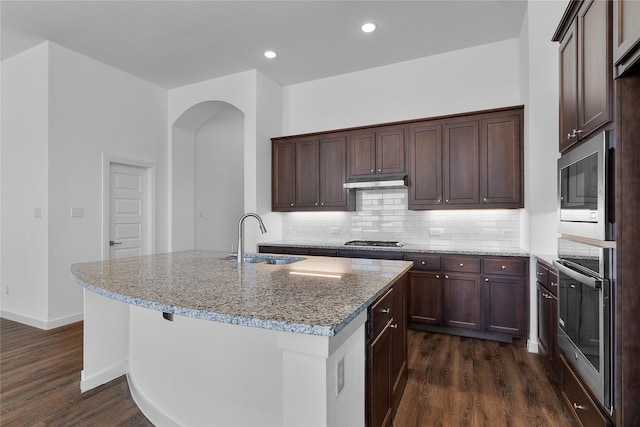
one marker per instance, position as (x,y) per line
(128,214)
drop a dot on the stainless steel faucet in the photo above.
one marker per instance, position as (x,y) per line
(240,255)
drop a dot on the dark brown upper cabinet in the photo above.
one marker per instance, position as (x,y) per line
(586,74)
(626,34)
(376,152)
(473,161)
(501,160)
(308,173)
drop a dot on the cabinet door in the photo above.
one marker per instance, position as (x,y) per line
(399,369)
(307,173)
(283,170)
(425,298)
(504,308)
(379,379)
(461,147)
(547,321)
(568,87)
(361,154)
(425,169)
(390,151)
(595,73)
(626,33)
(333,171)
(462,301)
(501,162)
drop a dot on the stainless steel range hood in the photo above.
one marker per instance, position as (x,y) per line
(386,182)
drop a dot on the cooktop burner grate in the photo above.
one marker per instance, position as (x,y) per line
(374,243)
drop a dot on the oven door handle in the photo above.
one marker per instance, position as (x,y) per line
(576,275)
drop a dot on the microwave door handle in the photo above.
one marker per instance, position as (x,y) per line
(587,280)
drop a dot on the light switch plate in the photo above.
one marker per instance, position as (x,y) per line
(76,212)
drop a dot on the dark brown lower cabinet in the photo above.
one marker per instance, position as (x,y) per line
(500,313)
(579,404)
(462,301)
(387,371)
(425,297)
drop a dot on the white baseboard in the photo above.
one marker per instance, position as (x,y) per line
(532,346)
(41,324)
(151,411)
(87,383)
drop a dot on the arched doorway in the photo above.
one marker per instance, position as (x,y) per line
(207,176)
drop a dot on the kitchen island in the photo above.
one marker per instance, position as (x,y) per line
(206,341)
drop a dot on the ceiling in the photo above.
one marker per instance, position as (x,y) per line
(175,43)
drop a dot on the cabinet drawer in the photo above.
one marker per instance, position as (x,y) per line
(462,264)
(381,312)
(509,266)
(542,274)
(578,400)
(424,262)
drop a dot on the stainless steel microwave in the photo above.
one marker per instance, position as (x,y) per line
(586,177)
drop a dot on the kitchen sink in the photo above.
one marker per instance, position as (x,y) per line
(270,259)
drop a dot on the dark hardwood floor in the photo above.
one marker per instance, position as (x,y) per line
(40,382)
(453,381)
(458,381)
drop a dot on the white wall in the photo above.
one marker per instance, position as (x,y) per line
(465,80)
(182,204)
(25,150)
(261,119)
(92,110)
(219,180)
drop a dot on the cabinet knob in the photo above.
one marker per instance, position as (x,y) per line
(576,406)
(438,200)
(379,170)
(540,274)
(373,171)
(423,263)
(554,284)
(394,326)
(292,204)
(446,276)
(461,265)
(446,201)
(322,203)
(504,267)
(386,310)
(316,203)
(486,279)
(437,276)
(484,200)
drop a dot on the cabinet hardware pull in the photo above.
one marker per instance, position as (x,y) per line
(446,277)
(291,204)
(540,274)
(423,263)
(446,201)
(486,279)
(438,200)
(373,171)
(316,203)
(394,326)
(554,284)
(461,265)
(504,267)
(576,406)
(322,203)
(379,170)
(437,276)
(386,310)
(484,200)
(572,286)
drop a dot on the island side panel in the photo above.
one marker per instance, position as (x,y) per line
(106,340)
(200,372)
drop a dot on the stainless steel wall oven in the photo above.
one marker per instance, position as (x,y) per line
(586,313)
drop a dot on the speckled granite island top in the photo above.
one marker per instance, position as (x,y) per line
(317,296)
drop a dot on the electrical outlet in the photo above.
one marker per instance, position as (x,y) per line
(340,374)
(436,231)
(6,289)
(335,231)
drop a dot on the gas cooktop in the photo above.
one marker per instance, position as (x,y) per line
(383,243)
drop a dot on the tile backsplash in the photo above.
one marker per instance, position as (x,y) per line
(384,215)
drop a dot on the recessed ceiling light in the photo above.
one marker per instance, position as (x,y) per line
(369,27)
(270,54)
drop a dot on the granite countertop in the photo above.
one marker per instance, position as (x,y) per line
(409,248)
(208,285)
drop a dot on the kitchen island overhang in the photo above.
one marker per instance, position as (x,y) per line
(250,344)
